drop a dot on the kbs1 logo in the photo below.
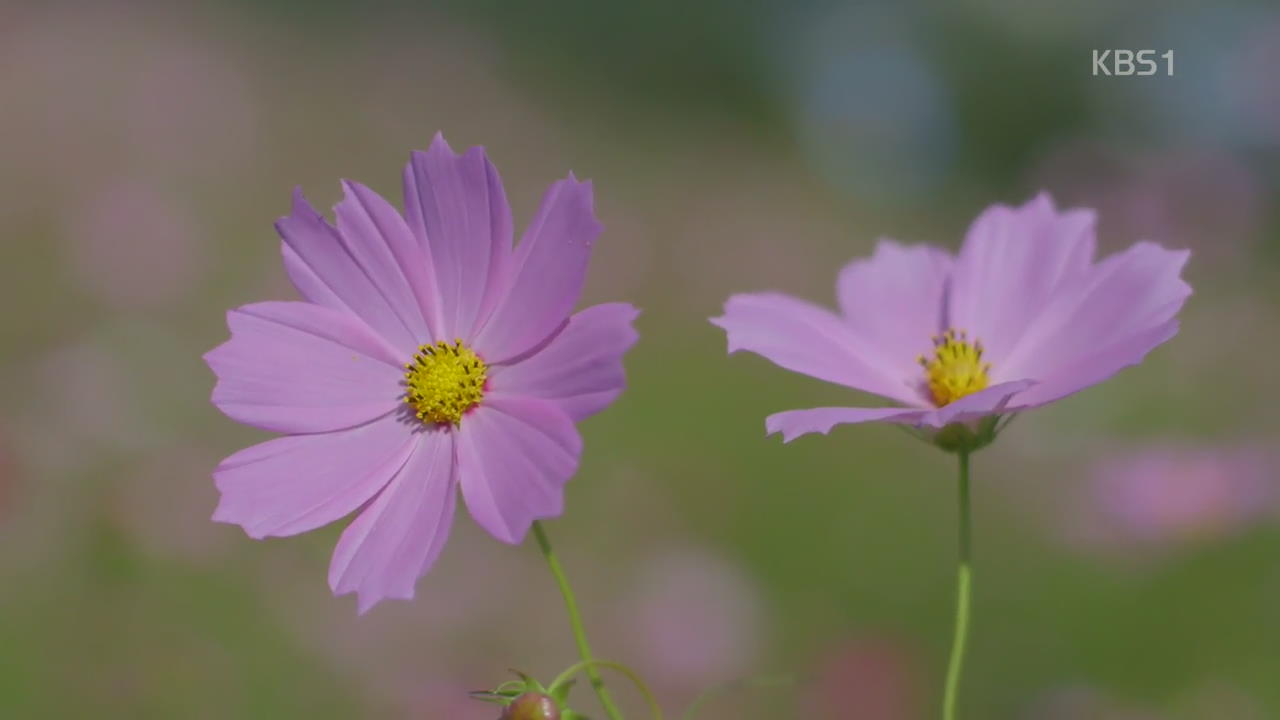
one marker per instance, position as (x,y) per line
(1123,63)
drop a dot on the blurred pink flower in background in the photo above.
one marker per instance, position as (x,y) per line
(864,678)
(1084,703)
(163,90)
(87,394)
(1164,496)
(406,649)
(131,245)
(77,412)
(8,474)
(1203,199)
(156,504)
(692,619)
(1211,700)
(1219,700)
(110,390)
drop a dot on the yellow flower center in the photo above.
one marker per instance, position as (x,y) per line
(956,368)
(445,380)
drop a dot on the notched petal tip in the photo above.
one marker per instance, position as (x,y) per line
(773,426)
(632,310)
(211,357)
(226,515)
(439,144)
(299,207)
(627,319)
(583,194)
(1044,200)
(302,217)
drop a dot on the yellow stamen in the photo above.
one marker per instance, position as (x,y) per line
(445,380)
(956,368)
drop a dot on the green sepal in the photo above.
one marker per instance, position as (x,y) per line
(560,691)
(961,437)
(507,692)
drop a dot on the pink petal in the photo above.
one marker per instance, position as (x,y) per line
(988,401)
(893,304)
(399,536)
(1128,295)
(805,338)
(350,272)
(514,456)
(993,400)
(547,273)
(458,211)
(1013,262)
(298,483)
(392,257)
(794,423)
(581,368)
(1097,367)
(296,367)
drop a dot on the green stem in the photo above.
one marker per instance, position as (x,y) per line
(575,620)
(631,675)
(963,581)
(748,683)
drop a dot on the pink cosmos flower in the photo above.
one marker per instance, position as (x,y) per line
(429,355)
(1022,316)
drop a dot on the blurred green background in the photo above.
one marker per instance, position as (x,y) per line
(735,146)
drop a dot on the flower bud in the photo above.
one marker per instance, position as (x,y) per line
(532,706)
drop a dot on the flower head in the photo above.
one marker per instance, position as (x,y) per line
(1020,317)
(429,355)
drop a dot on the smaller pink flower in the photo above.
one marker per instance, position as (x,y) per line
(1165,496)
(429,356)
(1022,316)
(694,619)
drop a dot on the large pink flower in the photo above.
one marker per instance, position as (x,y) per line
(1022,316)
(429,355)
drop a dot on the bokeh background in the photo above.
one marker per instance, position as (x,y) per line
(1128,554)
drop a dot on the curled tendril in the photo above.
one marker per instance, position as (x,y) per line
(759,682)
(567,676)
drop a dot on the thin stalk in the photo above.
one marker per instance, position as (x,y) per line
(575,620)
(964,579)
